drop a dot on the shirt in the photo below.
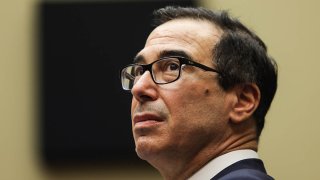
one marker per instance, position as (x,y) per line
(219,163)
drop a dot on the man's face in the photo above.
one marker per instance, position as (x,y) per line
(187,115)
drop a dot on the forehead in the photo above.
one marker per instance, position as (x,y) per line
(196,38)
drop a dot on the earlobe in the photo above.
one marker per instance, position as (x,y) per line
(247,101)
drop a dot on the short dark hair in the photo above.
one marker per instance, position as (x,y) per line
(240,55)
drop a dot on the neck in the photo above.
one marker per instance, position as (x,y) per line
(182,165)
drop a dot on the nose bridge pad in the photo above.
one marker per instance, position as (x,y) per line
(183,66)
(149,71)
(145,74)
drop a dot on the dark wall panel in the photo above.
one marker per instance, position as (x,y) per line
(85,115)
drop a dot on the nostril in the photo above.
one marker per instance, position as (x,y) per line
(145,98)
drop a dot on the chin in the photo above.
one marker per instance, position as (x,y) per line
(145,148)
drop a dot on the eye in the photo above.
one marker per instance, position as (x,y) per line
(171,66)
(138,71)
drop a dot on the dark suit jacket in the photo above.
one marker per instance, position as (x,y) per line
(248,169)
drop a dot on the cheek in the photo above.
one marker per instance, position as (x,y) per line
(185,104)
(195,123)
(198,104)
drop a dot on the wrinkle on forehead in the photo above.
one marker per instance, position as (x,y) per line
(199,35)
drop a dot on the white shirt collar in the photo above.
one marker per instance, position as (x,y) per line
(216,165)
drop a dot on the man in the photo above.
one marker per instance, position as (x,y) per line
(201,88)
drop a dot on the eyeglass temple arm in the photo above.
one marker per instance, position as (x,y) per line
(202,66)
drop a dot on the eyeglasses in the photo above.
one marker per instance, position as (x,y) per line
(163,71)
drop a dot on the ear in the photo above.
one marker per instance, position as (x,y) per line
(247,101)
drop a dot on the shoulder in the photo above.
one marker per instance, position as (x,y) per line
(246,174)
(248,169)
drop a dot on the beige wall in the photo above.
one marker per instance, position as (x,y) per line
(18,116)
(16,84)
(289,144)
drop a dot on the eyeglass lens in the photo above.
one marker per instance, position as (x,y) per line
(163,71)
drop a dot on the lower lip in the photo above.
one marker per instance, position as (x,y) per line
(145,124)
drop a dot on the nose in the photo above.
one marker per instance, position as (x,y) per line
(145,89)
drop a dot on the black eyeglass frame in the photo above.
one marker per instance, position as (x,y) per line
(182,61)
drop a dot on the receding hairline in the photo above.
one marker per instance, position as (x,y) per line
(214,24)
(216,30)
(219,18)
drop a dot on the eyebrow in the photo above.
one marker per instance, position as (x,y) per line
(162,54)
(166,53)
(138,59)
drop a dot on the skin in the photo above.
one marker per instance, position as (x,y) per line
(179,127)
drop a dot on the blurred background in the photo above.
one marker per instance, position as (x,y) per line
(37,143)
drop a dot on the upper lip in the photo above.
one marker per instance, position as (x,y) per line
(145,117)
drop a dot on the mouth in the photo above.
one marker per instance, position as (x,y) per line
(146,119)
